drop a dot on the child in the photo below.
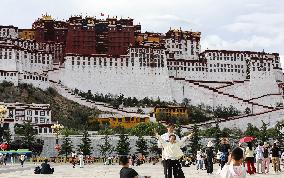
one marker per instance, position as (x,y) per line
(234,168)
(199,159)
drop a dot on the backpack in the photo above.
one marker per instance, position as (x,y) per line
(223,157)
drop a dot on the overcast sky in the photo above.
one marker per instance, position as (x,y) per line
(224,24)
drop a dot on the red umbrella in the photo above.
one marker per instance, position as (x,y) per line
(246,139)
(3,146)
(57,147)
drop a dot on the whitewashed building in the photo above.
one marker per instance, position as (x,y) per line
(39,115)
(174,70)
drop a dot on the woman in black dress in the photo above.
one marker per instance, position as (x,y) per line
(209,157)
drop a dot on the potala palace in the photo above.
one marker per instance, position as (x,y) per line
(113,56)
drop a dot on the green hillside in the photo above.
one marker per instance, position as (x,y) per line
(67,112)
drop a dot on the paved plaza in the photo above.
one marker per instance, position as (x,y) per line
(105,171)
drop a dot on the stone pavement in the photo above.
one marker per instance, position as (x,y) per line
(105,171)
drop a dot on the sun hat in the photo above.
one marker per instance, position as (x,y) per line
(210,144)
(265,144)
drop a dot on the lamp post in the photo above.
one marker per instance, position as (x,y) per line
(56,129)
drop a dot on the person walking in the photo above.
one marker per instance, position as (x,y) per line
(224,149)
(81,160)
(5,159)
(165,137)
(250,159)
(259,158)
(74,157)
(172,153)
(266,158)
(12,159)
(22,160)
(209,157)
(275,157)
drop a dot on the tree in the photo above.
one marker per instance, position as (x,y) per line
(85,145)
(153,147)
(247,110)
(217,136)
(185,102)
(37,147)
(278,134)
(144,129)
(140,111)
(141,146)
(66,147)
(106,148)
(122,147)
(251,131)
(263,135)
(28,132)
(195,145)
(178,130)
(7,136)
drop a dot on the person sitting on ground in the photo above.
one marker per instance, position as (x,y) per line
(127,172)
(234,168)
(45,168)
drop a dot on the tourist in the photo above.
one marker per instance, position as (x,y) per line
(224,149)
(74,157)
(127,172)
(234,168)
(5,159)
(250,159)
(266,158)
(1,159)
(12,159)
(282,158)
(171,154)
(22,160)
(259,158)
(199,160)
(275,157)
(165,137)
(133,159)
(45,168)
(209,157)
(278,145)
(81,160)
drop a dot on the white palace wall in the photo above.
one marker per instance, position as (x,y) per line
(132,81)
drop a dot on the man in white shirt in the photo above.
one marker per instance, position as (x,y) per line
(165,137)
(259,158)
(171,155)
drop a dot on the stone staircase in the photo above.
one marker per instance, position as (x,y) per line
(218,92)
(221,120)
(69,94)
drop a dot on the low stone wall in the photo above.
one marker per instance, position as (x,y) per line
(50,140)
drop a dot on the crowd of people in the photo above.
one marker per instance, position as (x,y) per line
(12,159)
(256,157)
(232,162)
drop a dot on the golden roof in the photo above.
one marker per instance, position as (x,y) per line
(46,17)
